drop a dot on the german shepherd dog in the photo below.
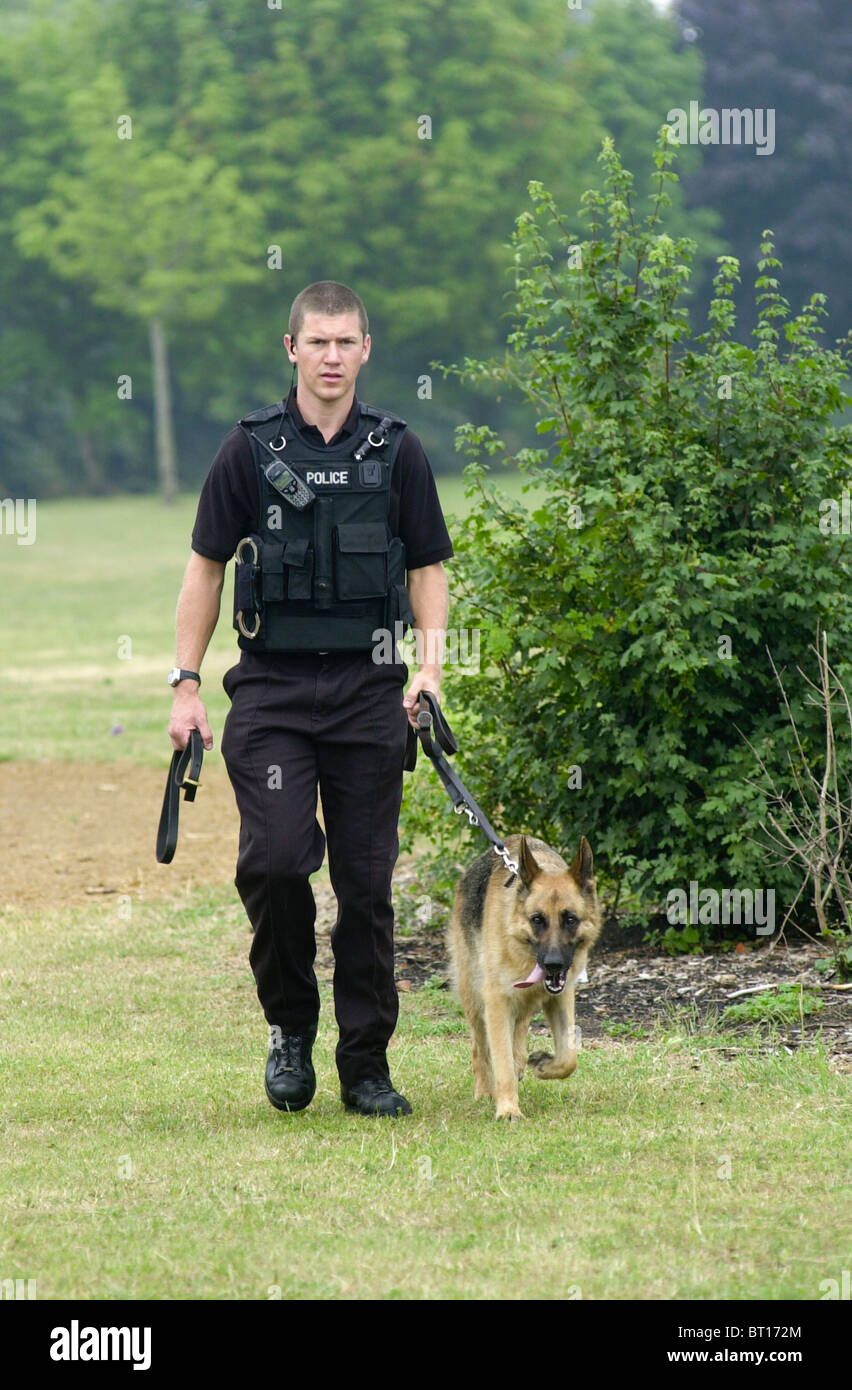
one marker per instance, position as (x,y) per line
(517,943)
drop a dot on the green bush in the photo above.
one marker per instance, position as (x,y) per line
(675,539)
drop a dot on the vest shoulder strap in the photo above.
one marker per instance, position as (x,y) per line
(374,414)
(274,412)
(267,412)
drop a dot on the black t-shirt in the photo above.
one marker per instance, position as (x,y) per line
(228,505)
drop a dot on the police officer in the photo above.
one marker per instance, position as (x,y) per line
(332,512)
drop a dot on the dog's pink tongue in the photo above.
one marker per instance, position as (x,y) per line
(534,977)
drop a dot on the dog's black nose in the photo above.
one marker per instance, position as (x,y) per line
(554,960)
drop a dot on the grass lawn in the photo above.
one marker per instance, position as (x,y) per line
(141,1159)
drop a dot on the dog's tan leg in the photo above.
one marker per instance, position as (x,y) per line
(483,1078)
(559,1011)
(522,1027)
(500,1029)
(472,1005)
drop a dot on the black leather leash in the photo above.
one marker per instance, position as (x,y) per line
(432,722)
(190,758)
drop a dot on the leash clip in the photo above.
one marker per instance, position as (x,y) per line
(506,857)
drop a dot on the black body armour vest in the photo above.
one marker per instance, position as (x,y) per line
(322,571)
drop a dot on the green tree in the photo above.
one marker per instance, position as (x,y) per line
(56,349)
(319,107)
(156,234)
(676,535)
(799,69)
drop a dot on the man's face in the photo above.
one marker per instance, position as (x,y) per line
(329,351)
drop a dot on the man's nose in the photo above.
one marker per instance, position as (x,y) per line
(333,352)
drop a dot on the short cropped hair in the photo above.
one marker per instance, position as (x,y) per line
(326,297)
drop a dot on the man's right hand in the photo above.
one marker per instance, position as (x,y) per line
(188,713)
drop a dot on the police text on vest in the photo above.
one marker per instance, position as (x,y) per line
(328,475)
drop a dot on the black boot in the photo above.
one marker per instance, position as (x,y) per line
(290,1077)
(374,1097)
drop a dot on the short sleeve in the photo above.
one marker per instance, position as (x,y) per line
(422,527)
(227,506)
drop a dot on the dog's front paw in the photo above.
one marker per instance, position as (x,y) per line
(547,1068)
(508,1112)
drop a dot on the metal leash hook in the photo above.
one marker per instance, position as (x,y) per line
(506,857)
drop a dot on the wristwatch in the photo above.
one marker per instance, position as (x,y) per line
(176,675)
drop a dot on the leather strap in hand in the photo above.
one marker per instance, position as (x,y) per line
(189,757)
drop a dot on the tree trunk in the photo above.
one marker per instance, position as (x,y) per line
(93,473)
(164,433)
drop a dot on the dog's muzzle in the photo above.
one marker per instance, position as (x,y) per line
(553,980)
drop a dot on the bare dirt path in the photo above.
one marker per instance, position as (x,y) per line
(75,832)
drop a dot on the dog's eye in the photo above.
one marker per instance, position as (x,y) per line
(569,920)
(538,921)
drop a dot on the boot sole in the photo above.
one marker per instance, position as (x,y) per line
(375,1114)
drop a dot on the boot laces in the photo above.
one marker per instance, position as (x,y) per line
(288,1056)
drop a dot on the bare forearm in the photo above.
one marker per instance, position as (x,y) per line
(197,615)
(429,593)
(198,611)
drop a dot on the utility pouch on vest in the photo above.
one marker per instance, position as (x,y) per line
(360,559)
(401,610)
(299,564)
(247,586)
(286,568)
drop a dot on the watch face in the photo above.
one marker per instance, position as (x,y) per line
(174,675)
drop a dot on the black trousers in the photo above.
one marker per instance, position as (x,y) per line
(298,720)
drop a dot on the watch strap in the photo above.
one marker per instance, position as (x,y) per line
(185,675)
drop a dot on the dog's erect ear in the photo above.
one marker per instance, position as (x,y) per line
(583,868)
(528,869)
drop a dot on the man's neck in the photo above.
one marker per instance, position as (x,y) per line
(328,416)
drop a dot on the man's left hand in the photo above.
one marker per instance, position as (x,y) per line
(427,678)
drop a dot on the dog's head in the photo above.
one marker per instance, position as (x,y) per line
(560,912)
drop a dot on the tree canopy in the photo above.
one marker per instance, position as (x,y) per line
(387,145)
